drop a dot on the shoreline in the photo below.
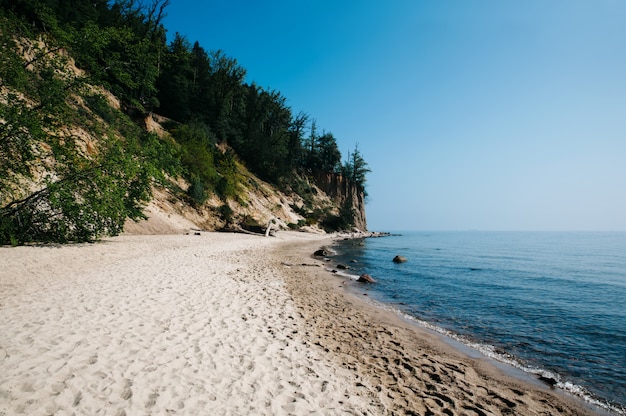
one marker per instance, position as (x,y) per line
(509,364)
(403,360)
(225,324)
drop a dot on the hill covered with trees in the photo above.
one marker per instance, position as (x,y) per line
(76,162)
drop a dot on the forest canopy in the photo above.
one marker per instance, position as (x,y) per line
(122,46)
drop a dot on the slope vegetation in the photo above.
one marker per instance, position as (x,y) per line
(83,153)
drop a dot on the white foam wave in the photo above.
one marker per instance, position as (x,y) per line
(343,274)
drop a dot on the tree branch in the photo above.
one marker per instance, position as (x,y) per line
(40,56)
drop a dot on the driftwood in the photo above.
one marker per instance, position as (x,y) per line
(269,228)
(239,229)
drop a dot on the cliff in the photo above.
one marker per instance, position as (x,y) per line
(346,195)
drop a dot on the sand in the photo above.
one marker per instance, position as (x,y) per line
(223,324)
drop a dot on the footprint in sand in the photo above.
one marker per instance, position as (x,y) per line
(127,393)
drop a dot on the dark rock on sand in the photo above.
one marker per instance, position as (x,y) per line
(548,380)
(399,259)
(366,278)
(321,253)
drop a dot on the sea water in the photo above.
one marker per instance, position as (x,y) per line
(549,303)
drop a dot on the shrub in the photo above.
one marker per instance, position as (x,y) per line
(226,214)
(196,191)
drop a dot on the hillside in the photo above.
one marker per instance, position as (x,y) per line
(80,158)
(169,211)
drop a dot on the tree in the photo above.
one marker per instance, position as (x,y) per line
(355,169)
(295,152)
(311,154)
(36,93)
(198,158)
(329,154)
(175,82)
(200,81)
(122,48)
(224,96)
(265,126)
(321,152)
(86,201)
(78,195)
(121,45)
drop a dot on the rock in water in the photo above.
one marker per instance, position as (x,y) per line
(366,278)
(399,259)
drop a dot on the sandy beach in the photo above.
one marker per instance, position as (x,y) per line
(224,324)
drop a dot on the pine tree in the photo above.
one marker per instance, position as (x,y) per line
(355,169)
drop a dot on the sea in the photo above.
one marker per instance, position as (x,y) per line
(552,304)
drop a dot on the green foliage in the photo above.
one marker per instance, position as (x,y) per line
(99,105)
(328,153)
(12,70)
(88,196)
(343,221)
(35,102)
(226,213)
(177,81)
(90,200)
(163,155)
(196,191)
(355,169)
(85,196)
(19,129)
(197,158)
(121,45)
(207,168)
(266,133)
(229,175)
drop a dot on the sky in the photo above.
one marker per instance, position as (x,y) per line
(472,115)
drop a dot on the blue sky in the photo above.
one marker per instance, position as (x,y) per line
(484,114)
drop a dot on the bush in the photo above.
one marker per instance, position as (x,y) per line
(196,191)
(164,154)
(226,214)
(227,185)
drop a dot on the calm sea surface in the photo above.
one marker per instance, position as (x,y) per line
(552,304)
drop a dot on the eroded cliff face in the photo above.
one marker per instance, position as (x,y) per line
(346,195)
